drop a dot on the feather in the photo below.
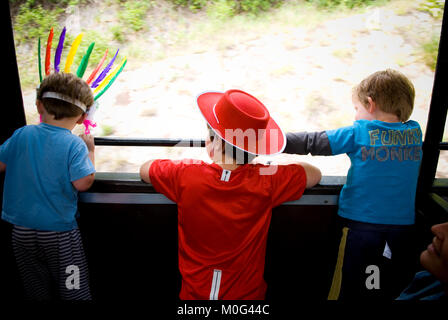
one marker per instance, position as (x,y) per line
(85,60)
(48,53)
(39,61)
(72,52)
(98,67)
(104,72)
(109,77)
(113,76)
(57,56)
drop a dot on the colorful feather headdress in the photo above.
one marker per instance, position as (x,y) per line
(99,84)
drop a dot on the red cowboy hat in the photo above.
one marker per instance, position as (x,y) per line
(242,121)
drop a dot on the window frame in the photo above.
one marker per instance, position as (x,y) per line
(428,186)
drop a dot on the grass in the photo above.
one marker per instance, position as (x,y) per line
(430,49)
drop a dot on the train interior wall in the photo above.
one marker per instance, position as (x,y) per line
(132,252)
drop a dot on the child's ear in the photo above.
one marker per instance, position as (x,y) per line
(371,106)
(40,107)
(82,118)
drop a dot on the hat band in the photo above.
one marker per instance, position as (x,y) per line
(214,113)
(63,97)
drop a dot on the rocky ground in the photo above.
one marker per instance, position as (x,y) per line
(303,74)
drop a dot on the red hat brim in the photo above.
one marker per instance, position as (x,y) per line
(207,100)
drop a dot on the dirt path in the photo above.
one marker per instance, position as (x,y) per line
(303,75)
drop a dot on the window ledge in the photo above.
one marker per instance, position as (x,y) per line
(130,182)
(128,188)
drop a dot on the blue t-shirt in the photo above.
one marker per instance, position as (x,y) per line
(382,179)
(41,162)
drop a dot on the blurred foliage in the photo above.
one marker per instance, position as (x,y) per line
(33,21)
(430,51)
(434,7)
(193,5)
(59,3)
(34,18)
(430,47)
(345,3)
(229,8)
(133,13)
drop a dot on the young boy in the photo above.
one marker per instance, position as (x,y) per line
(377,203)
(46,165)
(224,208)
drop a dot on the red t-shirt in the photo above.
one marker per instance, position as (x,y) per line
(223,223)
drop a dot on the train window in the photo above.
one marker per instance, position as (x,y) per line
(442,165)
(300,59)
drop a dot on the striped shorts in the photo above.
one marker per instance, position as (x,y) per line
(52,265)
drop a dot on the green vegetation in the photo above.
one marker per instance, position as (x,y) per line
(32,21)
(193,5)
(434,7)
(132,14)
(106,130)
(33,18)
(128,25)
(430,47)
(230,8)
(430,50)
(345,3)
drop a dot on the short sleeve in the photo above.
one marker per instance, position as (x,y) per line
(80,164)
(4,151)
(342,140)
(288,183)
(164,176)
(5,148)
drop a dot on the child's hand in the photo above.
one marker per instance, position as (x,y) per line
(88,139)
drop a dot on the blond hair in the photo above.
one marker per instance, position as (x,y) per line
(391,90)
(67,84)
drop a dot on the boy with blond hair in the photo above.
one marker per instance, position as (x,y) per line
(377,203)
(225,207)
(46,165)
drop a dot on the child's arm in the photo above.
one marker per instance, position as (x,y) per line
(86,182)
(313,174)
(324,143)
(2,166)
(316,143)
(144,171)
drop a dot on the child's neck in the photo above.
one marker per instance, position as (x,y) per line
(386,117)
(66,123)
(227,164)
(229,167)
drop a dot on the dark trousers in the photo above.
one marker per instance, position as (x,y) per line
(375,261)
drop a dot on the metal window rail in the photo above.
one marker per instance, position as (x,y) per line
(443,146)
(146,142)
(167,142)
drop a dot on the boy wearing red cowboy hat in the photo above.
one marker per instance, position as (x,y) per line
(224,208)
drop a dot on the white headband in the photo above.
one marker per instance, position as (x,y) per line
(63,97)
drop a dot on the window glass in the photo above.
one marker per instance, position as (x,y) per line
(442,164)
(301,59)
